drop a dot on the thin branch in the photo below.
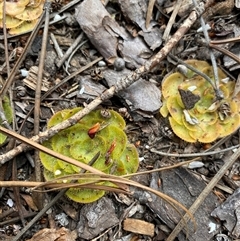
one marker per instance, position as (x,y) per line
(40,70)
(172,19)
(2,114)
(56,45)
(35,184)
(39,198)
(5,38)
(48,151)
(194,70)
(194,154)
(149,12)
(16,219)
(225,51)
(225,41)
(73,52)
(70,50)
(69,5)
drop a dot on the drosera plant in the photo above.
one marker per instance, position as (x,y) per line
(21,15)
(194,111)
(101,131)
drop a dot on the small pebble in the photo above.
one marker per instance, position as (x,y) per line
(24,72)
(195,164)
(141,159)
(119,64)
(101,63)
(212,227)
(10,202)
(57,17)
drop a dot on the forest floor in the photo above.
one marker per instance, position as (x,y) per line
(126,59)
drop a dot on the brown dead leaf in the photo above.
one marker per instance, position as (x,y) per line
(138,226)
(45,235)
(67,235)
(61,234)
(29,200)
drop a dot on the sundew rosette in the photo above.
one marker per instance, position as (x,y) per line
(96,132)
(21,15)
(194,112)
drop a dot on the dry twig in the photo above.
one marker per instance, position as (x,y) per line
(5,37)
(149,12)
(213,60)
(200,154)
(38,175)
(172,20)
(70,50)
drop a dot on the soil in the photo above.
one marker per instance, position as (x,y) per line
(97,45)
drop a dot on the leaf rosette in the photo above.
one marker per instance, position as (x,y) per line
(92,134)
(190,104)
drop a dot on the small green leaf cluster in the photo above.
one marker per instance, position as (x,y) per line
(100,131)
(207,118)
